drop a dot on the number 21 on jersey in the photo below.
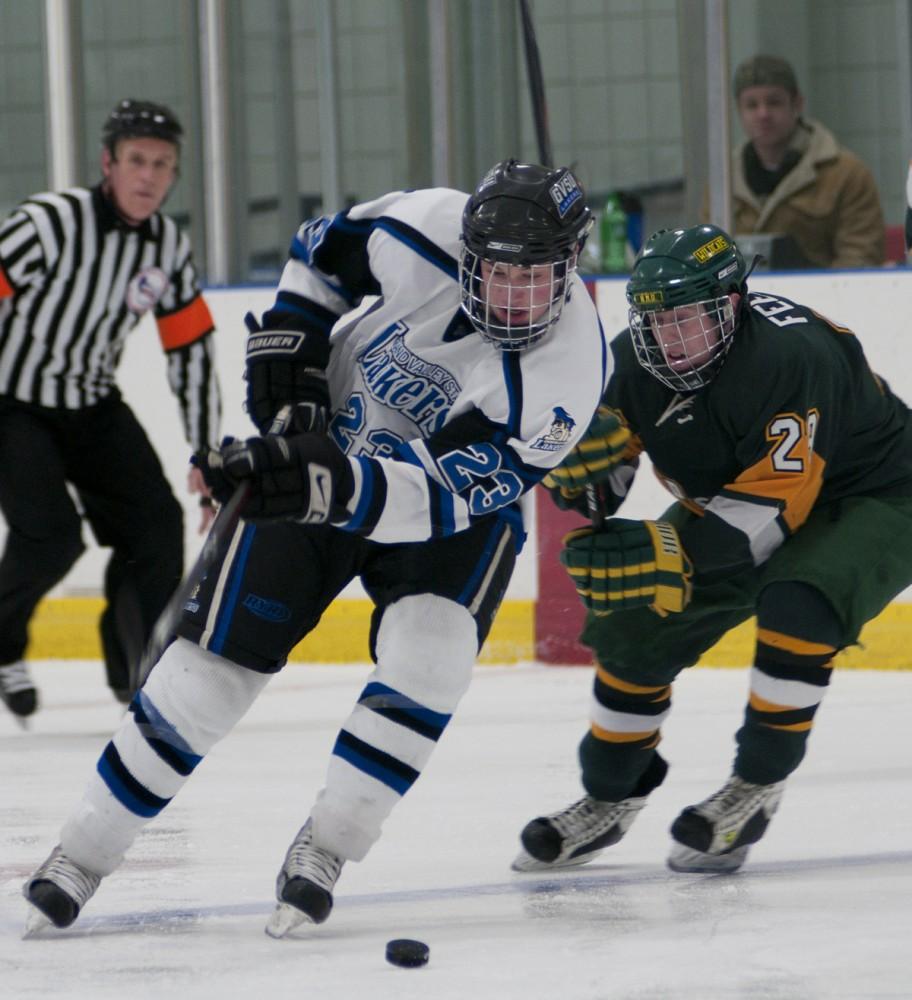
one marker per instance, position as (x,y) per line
(794,440)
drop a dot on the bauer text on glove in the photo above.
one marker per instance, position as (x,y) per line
(287,368)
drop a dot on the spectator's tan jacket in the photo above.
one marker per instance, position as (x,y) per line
(829,204)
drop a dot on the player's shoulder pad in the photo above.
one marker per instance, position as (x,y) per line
(434,213)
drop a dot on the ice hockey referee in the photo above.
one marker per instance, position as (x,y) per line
(78,270)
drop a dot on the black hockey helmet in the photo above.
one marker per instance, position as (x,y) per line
(133,119)
(521,215)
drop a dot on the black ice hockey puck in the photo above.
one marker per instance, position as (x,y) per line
(407,953)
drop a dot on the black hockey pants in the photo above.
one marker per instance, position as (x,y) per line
(105,455)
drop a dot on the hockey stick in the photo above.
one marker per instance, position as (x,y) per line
(596,506)
(536,86)
(222,528)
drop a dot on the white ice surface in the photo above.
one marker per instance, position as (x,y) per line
(823,908)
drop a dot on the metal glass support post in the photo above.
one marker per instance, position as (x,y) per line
(717,113)
(286,132)
(441,106)
(63,69)
(220,225)
(328,105)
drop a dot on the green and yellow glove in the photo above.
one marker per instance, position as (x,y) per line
(628,564)
(591,460)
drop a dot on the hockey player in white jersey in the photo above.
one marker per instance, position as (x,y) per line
(458,357)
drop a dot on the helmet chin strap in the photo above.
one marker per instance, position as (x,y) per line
(758,259)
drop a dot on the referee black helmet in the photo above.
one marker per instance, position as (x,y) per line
(132,119)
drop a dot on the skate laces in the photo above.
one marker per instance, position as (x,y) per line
(15,677)
(75,881)
(588,817)
(737,799)
(306,860)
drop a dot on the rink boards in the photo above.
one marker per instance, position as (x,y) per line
(541,617)
(66,628)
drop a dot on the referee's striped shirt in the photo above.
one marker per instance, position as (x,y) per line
(74,281)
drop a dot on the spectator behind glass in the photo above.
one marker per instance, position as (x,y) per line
(791,175)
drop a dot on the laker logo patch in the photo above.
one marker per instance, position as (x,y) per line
(558,433)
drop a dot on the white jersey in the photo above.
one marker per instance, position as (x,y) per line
(441,428)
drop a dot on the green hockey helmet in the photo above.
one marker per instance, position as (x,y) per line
(682,315)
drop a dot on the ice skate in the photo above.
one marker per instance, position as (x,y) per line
(17,691)
(57,892)
(304,886)
(715,835)
(576,834)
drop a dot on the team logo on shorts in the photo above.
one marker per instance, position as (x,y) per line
(145,289)
(263,607)
(558,433)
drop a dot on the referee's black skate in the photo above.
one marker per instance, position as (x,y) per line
(716,834)
(57,892)
(305,884)
(17,690)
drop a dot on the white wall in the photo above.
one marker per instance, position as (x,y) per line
(876,305)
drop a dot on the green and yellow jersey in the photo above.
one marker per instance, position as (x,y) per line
(795,419)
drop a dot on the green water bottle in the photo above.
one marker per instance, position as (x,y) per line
(613,236)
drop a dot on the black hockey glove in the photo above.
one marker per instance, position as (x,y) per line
(304,477)
(286,368)
(629,564)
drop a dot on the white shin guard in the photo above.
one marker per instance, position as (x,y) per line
(190,701)
(426,648)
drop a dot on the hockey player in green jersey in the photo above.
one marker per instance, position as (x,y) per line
(791,465)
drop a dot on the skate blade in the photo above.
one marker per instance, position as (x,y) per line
(524,862)
(23,721)
(687,861)
(285,918)
(35,922)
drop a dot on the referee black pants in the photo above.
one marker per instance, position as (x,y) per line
(105,456)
